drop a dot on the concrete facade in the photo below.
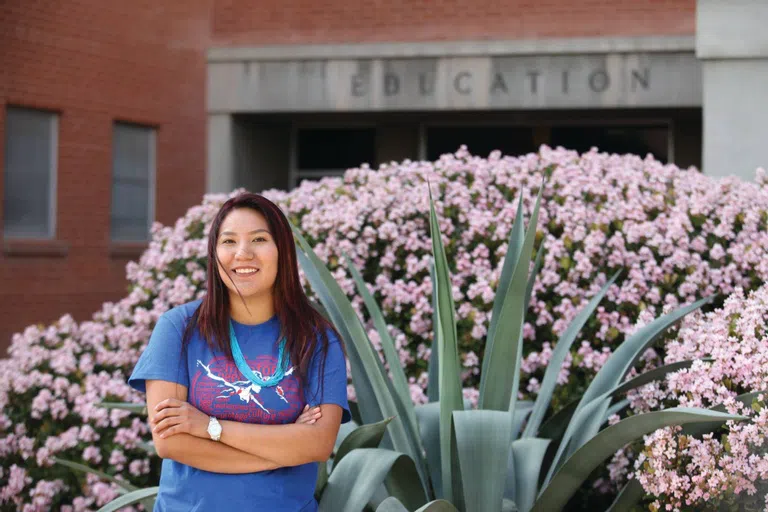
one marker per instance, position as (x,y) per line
(732,45)
(243,83)
(401,89)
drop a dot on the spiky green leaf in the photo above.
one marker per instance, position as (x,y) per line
(483,439)
(365,436)
(524,468)
(559,354)
(451,397)
(500,380)
(594,452)
(399,381)
(130,498)
(356,478)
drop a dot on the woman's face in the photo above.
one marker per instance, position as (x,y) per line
(247,253)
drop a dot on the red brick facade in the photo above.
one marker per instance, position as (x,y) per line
(93,63)
(96,62)
(239,22)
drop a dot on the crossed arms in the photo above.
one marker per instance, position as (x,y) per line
(179,431)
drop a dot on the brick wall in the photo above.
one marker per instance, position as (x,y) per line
(95,62)
(239,22)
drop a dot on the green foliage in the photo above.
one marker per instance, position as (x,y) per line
(479,459)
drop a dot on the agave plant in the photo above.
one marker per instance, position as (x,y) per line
(440,456)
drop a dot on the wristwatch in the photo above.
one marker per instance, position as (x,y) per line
(214,428)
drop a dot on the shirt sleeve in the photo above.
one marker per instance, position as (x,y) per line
(331,386)
(163,358)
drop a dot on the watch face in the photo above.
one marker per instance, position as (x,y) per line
(215,429)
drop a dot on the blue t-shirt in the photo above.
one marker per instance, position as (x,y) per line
(217,388)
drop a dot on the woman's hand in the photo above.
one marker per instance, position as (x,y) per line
(174,416)
(308,416)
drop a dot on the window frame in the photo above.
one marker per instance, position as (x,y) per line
(151,180)
(53,167)
(295,175)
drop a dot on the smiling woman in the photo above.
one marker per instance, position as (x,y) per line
(249,383)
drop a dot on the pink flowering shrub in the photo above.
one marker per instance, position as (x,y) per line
(679,236)
(726,470)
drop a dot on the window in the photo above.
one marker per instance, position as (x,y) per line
(331,151)
(480,140)
(638,140)
(29,188)
(133,182)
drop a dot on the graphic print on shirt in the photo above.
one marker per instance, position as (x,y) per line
(219,389)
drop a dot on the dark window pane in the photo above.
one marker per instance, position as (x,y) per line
(637,140)
(132,165)
(28,177)
(480,140)
(338,148)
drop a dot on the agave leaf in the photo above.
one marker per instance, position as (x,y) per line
(514,245)
(130,499)
(125,406)
(559,354)
(451,397)
(125,486)
(655,374)
(428,417)
(366,436)
(482,439)
(371,382)
(362,377)
(499,381)
(392,504)
(322,479)
(399,381)
(705,428)
(532,277)
(522,409)
(356,478)
(509,506)
(615,409)
(354,410)
(629,496)
(344,430)
(609,377)
(588,457)
(433,384)
(524,468)
(554,427)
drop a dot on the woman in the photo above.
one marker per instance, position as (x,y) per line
(246,388)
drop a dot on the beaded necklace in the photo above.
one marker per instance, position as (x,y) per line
(242,365)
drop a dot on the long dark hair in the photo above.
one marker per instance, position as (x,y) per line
(302,326)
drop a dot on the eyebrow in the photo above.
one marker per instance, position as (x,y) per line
(231,233)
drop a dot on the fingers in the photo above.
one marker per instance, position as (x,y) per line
(168,402)
(309,416)
(161,426)
(177,429)
(167,412)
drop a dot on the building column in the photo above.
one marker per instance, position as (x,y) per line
(732,44)
(221,172)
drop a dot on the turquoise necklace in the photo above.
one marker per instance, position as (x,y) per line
(258,380)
